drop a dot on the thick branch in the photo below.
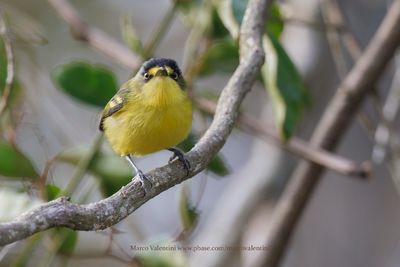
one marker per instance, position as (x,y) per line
(95,37)
(107,212)
(331,129)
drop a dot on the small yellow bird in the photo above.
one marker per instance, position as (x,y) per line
(149,113)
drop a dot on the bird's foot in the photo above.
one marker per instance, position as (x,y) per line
(145,182)
(181,157)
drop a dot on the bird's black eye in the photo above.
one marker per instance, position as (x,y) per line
(147,76)
(174,76)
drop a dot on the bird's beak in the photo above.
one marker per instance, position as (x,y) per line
(161,72)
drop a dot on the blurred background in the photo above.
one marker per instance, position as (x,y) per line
(50,144)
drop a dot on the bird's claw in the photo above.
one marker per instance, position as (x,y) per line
(181,157)
(146,184)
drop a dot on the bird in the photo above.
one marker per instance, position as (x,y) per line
(150,112)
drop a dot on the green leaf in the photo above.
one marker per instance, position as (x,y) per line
(280,75)
(188,143)
(216,165)
(15,164)
(287,90)
(218,30)
(188,214)
(91,84)
(113,171)
(223,56)
(274,24)
(52,191)
(67,240)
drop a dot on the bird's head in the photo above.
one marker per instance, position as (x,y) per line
(162,81)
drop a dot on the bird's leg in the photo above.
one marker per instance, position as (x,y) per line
(145,182)
(179,154)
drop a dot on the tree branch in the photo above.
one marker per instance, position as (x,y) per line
(95,37)
(331,129)
(295,145)
(109,211)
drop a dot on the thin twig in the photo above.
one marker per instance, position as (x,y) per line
(95,37)
(109,211)
(330,130)
(333,38)
(293,20)
(353,46)
(295,146)
(349,39)
(10,64)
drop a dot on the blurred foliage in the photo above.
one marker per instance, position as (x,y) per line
(112,170)
(130,35)
(285,86)
(52,191)
(23,27)
(217,28)
(274,24)
(216,165)
(281,77)
(91,84)
(188,213)
(14,202)
(15,164)
(187,5)
(222,56)
(66,240)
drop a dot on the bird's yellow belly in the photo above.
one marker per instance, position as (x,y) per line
(147,130)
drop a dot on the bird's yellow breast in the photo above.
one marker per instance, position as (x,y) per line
(156,117)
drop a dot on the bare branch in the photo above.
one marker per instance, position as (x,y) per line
(295,145)
(333,38)
(331,129)
(10,63)
(349,39)
(109,211)
(95,37)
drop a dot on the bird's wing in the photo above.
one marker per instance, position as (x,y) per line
(114,105)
